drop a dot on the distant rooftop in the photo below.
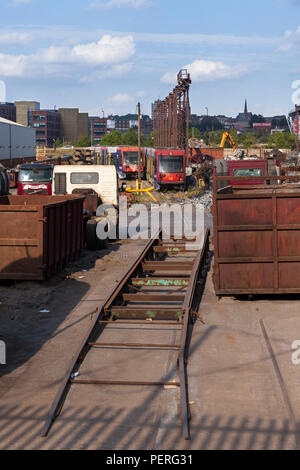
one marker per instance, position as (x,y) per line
(6,121)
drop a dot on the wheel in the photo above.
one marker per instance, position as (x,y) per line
(6,181)
(92,241)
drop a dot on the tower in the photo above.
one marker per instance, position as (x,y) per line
(246,109)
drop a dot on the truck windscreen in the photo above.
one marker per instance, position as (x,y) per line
(170,164)
(130,158)
(248,172)
(35,175)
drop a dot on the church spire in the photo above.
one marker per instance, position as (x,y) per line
(246,109)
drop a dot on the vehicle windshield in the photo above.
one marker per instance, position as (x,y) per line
(170,163)
(248,172)
(35,175)
(84,178)
(131,158)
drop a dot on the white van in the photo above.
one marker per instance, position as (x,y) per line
(101,180)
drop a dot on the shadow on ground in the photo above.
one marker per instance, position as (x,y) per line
(31,311)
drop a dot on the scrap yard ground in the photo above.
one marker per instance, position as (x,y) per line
(240,396)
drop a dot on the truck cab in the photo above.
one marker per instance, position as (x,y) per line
(35,178)
(248,167)
(99,184)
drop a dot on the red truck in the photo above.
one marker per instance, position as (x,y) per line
(247,168)
(35,178)
(250,167)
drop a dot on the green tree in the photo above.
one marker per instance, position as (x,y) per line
(209,123)
(83,141)
(214,139)
(114,138)
(247,140)
(147,141)
(194,132)
(130,137)
(284,140)
(57,143)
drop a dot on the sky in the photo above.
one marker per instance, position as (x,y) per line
(106,55)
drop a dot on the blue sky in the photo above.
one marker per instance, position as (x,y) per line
(108,54)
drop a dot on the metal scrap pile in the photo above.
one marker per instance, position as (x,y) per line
(238,154)
(196,143)
(84,157)
(205,199)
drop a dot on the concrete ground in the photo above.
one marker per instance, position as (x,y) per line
(240,398)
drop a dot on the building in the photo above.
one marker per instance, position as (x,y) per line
(47,126)
(17,143)
(73,124)
(194,120)
(130,121)
(262,127)
(146,126)
(226,122)
(8,111)
(98,128)
(24,110)
(122,125)
(153,108)
(243,120)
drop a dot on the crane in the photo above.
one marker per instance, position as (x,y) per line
(231,141)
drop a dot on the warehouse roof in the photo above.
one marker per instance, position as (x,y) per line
(6,121)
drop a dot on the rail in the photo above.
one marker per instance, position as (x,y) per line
(162,264)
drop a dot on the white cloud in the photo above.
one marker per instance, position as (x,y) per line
(207,71)
(109,54)
(107,50)
(114,71)
(104,5)
(16,3)
(15,38)
(121,98)
(291,39)
(12,66)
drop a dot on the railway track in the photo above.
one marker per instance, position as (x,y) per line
(158,290)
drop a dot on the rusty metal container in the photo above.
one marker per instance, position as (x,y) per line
(216,153)
(39,235)
(256,239)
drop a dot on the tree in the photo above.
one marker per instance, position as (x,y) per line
(209,123)
(194,132)
(283,140)
(130,137)
(114,138)
(83,141)
(247,140)
(214,139)
(57,142)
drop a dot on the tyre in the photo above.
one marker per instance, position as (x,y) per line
(6,185)
(191,181)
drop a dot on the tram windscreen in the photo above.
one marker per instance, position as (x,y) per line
(171,163)
(130,158)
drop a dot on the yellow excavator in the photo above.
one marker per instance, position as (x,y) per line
(231,141)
